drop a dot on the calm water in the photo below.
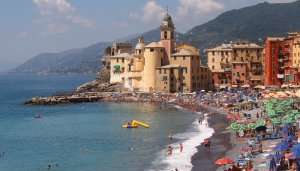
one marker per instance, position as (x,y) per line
(82,137)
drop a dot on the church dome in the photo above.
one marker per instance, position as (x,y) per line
(141,44)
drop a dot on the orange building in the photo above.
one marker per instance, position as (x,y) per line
(281,63)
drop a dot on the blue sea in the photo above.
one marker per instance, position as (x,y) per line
(85,137)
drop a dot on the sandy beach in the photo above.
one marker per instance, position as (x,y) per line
(220,141)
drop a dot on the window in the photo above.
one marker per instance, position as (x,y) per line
(213,53)
(165,71)
(165,35)
(183,58)
(159,71)
(117,60)
(213,59)
(151,50)
(186,71)
(174,58)
(123,60)
(213,67)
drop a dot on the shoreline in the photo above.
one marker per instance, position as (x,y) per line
(204,159)
(201,159)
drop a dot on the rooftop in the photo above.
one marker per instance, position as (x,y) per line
(185,52)
(155,45)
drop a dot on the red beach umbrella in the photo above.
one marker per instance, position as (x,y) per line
(224,161)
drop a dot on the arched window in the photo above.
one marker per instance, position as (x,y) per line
(165,34)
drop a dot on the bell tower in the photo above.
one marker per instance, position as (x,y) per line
(167,36)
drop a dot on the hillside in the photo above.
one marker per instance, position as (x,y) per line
(83,60)
(252,23)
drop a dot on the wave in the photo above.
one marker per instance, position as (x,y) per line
(190,141)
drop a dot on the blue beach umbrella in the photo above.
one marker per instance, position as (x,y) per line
(282,147)
(296,150)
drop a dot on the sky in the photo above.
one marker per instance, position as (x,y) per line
(31,27)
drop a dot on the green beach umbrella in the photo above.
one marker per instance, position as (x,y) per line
(287,121)
(251,125)
(276,121)
(296,116)
(235,126)
(243,127)
(260,122)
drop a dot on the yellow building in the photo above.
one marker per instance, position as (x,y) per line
(295,49)
(159,66)
(237,64)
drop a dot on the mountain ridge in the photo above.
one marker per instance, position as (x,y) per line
(253,23)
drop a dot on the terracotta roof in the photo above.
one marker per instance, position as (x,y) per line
(155,45)
(185,52)
(121,55)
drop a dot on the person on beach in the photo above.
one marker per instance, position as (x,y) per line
(207,143)
(181,147)
(170,150)
(200,121)
(170,136)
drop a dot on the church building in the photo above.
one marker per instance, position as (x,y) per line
(162,66)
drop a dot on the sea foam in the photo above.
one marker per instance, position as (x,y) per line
(190,141)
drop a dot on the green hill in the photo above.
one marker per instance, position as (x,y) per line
(252,23)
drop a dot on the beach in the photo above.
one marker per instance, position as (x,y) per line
(205,159)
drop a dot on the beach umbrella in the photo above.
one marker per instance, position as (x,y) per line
(296,150)
(261,128)
(224,161)
(282,147)
(260,122)
(276,121)
(243,127)
(251,125)
(235,126)
(288,120)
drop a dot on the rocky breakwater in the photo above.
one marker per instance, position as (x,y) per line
(89,92)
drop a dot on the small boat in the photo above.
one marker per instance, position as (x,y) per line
(38,116)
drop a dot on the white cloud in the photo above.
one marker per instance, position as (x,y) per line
(152,11)
(48,7)
(60,15)
(192,7)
